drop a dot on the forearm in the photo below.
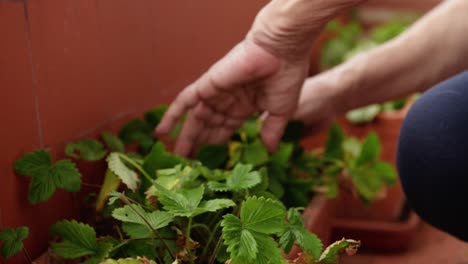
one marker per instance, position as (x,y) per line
(435,48)
(288,27)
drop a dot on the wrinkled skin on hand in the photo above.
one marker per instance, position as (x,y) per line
(248,80)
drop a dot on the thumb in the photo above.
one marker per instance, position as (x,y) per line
(273,127)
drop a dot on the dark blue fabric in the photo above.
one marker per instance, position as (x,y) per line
(433,156)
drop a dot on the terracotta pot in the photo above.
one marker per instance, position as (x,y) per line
(49,258)
(387,126)
(379,236)
(318,217)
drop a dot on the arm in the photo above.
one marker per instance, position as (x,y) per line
(289,27)
(433,49)
(263,74)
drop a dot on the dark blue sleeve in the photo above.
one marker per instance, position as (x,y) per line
(433,156)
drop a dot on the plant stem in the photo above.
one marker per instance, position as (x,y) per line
(202,226)
(210,238)
(126,241)
(215,251)
(137,166)
(124,199)
(187,239)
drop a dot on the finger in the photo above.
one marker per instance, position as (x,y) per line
(185,100)
(272,130)
(188,135)
(245,63)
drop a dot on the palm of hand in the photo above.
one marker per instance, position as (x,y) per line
(246,81)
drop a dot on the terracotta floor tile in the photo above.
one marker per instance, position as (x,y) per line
(19,126)
(431,246)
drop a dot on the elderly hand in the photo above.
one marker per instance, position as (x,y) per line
(246,81)
(263,74)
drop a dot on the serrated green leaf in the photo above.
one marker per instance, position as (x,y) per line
(70,250)
(269,251)
(295,218)
(66,175)
(241,178)
(331,254)
(258,218)
(138,248)
(46,177)
(112,142)
(179,177)
(254,153)
(183,203)
(248,248)
(135,226)
(213,156)
(262,215)
(296,232)
(13,240)
(287,239)
(218,186)
(232,228)
(41,189)
(159,159)
(118,167)
(86,149)
(309,242)
(36,163)
(334,144)
(370,150)
(213,206)
(102,252)
(78,239)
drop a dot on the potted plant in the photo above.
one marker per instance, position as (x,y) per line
(353,216)
(156,207)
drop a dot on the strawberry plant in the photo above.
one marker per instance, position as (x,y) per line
(350,40)
(234,203)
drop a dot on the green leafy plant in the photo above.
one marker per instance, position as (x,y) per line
(351,39)
(236,203)
(13,240)
(47,176)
